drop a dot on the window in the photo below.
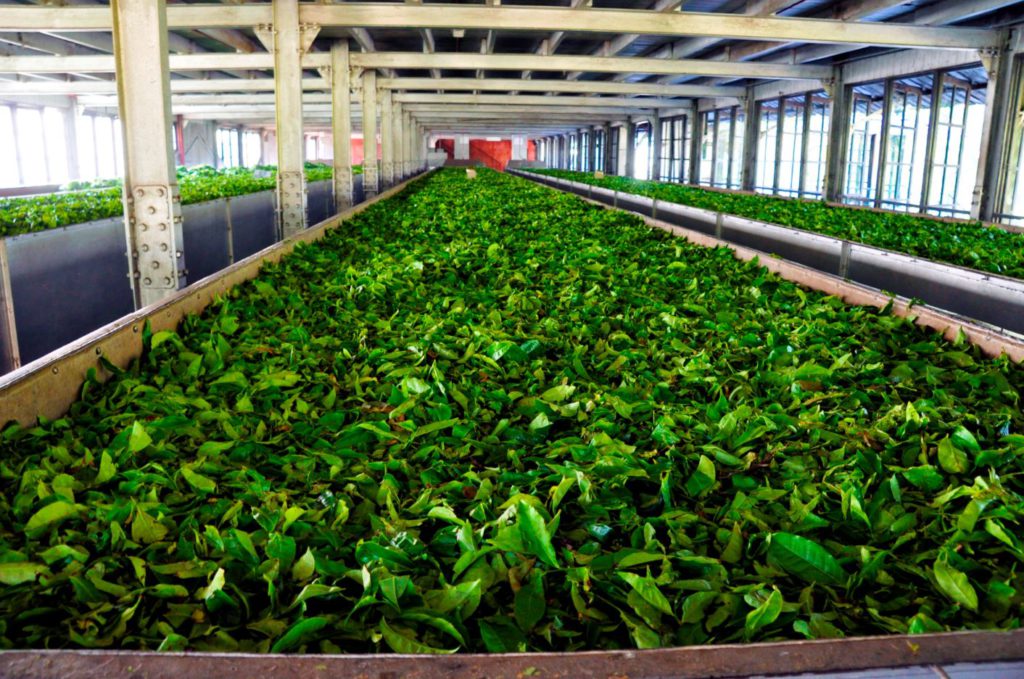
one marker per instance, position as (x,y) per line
(721,148)
(922,136)
(708,128)
(725,123)
(674,135)
(9,175)
(739,132)
(959,120)
(228,154)
(907,144)
(790,159)
(31,146)
(767,145)
(55,140)
(599,149)
(642,151)
(252,148)
(312,148)
(816,145)
(865,138)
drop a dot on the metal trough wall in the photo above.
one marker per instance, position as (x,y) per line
(989,298)
(65,283)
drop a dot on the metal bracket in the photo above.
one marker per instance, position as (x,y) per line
(989,55)
(291,202)
(307,34)
(829,85)
(153,214)
(265,34)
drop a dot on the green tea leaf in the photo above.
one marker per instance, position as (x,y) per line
(302,632)
(533,532)
(951,458)
(20,572)
(51,515)
(955,585)
(138,439)
(805,559)
(400,643)
(648,590)
(529,604)
(764,615)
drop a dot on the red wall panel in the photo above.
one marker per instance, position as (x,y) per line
(493,154)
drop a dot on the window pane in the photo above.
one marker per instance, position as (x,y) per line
(791,151)
(865,135)
(815,163)
(105,152)
(252,147)
(31,149)
(961,113)
(739,130)
(707,148)
(767,141)
(642,164)
(905,155)
(9,168)
(56,145)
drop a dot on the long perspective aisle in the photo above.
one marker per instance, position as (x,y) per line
(487,416)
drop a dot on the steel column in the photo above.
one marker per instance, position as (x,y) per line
(654,156)
(291,179)
(987,189)
(838,137)
(151,201)
(748,178)
(341,124)
(387,151)
(608,155)
(592,149)
(398,138)
(371,172)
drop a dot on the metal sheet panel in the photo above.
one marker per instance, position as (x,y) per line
(253,226)
(319,201)
(358,195)
(992,299)
(206,235)
(67,282)
(818,252)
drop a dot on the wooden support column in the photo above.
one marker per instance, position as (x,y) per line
(289,41)
(371,172)
(987,201)
(152,206)
(341,125)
